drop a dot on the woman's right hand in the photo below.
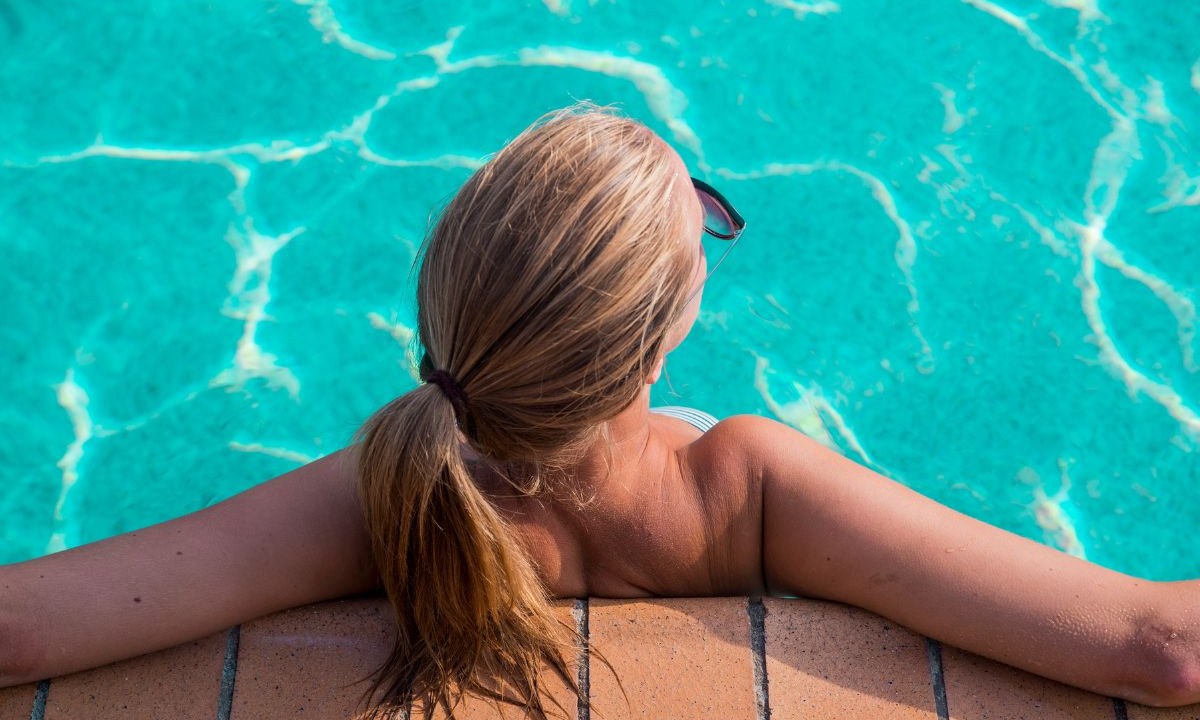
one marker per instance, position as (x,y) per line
(294,540)
(836,530)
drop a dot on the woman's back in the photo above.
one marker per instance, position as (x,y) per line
(673,516)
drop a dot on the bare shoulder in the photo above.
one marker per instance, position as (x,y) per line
(727,467)
(745,445)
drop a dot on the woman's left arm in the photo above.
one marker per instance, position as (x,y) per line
(297,539)
(834,529)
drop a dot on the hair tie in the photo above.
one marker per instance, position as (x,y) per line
(451,390)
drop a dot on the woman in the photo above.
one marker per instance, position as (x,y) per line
(529,465)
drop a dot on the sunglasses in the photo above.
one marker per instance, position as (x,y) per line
(720,221)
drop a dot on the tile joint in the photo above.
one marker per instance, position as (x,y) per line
(40,698)
(229,673)
(757,613)
(580,611)
(933,651)
(1120,712)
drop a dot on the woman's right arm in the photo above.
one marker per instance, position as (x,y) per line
(294,540)
(834,529)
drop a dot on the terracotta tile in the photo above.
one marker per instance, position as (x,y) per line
(180,683)
(1141,712)
(16,703)
(306,662)
(477,709)
(978,688)
(832,660)
(676,658)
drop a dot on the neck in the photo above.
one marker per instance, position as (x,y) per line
(628,441)
(631,426)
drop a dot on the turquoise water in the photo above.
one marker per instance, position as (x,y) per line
(972,261)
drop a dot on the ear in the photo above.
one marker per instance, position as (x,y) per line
(656,371)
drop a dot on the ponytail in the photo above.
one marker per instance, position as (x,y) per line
(547,291)
(472,615)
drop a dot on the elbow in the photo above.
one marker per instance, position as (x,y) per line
(20,657)
(1163,667)
(1171,677)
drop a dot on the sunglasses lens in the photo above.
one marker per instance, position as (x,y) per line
(716,219)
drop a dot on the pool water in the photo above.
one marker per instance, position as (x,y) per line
(971,263)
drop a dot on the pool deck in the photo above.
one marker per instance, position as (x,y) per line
(678,658)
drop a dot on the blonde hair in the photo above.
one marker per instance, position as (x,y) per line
(546,293)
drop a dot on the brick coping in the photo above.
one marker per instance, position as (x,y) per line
(675,658)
